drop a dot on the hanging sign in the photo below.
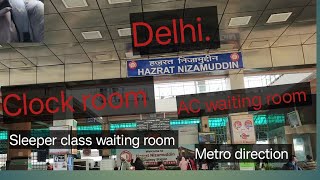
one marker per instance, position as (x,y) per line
(185,65)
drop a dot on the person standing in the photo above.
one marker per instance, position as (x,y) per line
(124,165)
(183,164)
(310,164)
(138,164)
(292,164)
(161,166)
(191,164)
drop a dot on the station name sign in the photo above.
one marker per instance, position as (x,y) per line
(80,99)
(175,30)
(185,65)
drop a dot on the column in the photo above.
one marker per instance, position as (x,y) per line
(21,154)
(105,127)
(205,124)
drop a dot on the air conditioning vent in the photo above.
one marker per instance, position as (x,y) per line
(92,35)
(124,32)
(118,1)
(75,3)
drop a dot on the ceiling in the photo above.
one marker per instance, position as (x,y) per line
(66,56)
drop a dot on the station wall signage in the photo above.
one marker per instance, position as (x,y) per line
(185,65)
(175,30)
(78,99)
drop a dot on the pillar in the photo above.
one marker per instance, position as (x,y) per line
(205,124)
(106,127)
(18,153)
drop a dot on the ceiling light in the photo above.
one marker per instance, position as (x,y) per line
(118,1)
(281,17)
(92,35)
(124,32)
(130,55)
(75,3)
(239,21)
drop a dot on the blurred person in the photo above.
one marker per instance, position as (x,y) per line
(35,10)
(310,164)
(21,20)
(8,31)
(49,167)
(124,165)
(27,16)
(183,164)
(292,164)
(138,164)
(161,166)
(191,164)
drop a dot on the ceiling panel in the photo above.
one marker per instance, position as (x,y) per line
(236,6)
(266,14)
(103,31)
(17,63)
(49,8)
(2,66)
(234,35)
(301,28)
(103,4)
(292,40)
(74,58)
(276,4)
(221,4)
(122,56)
(312,39)
(49,74)
(98,46)
(4,46)
(103,56)
(45,61)
(123,44)
(287,56)
(308,14)
(92,4)
(78,72)
(4,77)
(59,37)
(83,19)
(71,48)
(267,31)
(224,24)
(117,16)
(310,53)
(250,58)
(259,43)
(172,5)
(35,51)
(54,22)
(106,70)
(28,74)
(16,45)
(9,53)
(313,2)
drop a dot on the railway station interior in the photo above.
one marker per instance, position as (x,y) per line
(89,40)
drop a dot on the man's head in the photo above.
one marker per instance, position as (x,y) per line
(309,158)
(293,158)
